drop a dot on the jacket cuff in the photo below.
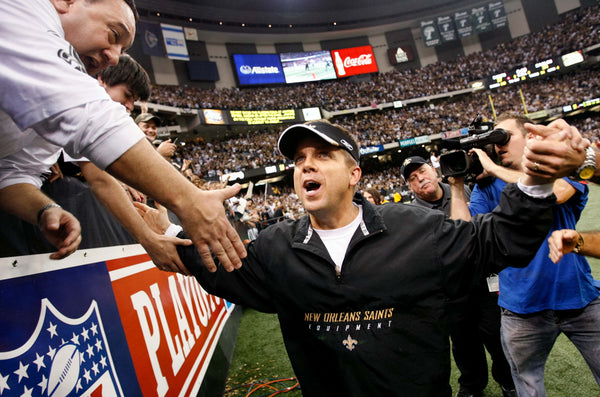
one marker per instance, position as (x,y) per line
(536,191)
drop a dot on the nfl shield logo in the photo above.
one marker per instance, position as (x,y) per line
(63,357)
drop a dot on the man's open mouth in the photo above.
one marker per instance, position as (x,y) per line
(310,186)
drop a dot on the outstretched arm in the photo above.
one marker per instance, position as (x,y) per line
(202,214)
(108,190)
(246,286)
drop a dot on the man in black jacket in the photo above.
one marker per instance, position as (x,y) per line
(360,290)
(474,317)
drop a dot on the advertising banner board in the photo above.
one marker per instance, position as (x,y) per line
(104,322)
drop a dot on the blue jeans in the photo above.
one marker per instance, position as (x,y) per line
(528,338)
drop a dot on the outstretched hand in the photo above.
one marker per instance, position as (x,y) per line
(158,221)
(553,151)
(62,230)
(207,225)
(157,218)
(201,212)
(162,249)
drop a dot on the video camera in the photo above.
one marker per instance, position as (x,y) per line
(458,161)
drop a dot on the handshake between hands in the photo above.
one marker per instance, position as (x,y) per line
(553,151)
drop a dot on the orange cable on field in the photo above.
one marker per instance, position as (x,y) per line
(269,385)
(260,387)
(286,389)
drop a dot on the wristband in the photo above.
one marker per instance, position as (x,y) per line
(47,206)
(173,230)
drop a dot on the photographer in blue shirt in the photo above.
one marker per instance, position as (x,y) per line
(543,299)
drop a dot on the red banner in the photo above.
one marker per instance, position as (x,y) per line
(355,60)
(104,322)
(171,324)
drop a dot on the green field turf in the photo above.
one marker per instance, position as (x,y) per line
(260,353)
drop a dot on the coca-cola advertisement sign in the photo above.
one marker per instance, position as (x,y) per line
(355,60)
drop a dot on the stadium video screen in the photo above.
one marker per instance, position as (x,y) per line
(255,69)
(299,67)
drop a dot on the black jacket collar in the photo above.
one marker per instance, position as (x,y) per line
(372,222)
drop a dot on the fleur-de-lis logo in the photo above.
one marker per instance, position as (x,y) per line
(350,343)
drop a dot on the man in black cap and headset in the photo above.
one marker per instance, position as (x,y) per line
(359,289)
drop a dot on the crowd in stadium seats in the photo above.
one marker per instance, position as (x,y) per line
(210,160)
(576,30)
(258,148)
(255,149)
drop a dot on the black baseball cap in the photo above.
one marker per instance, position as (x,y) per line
(330,133)
(411,164)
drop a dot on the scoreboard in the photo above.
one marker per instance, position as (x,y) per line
(534,70)
(258,117)
(254,117)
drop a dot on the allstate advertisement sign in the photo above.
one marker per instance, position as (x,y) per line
(114,327)
(255,69)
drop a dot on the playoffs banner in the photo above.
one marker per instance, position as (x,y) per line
(171,324)
(118,327)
